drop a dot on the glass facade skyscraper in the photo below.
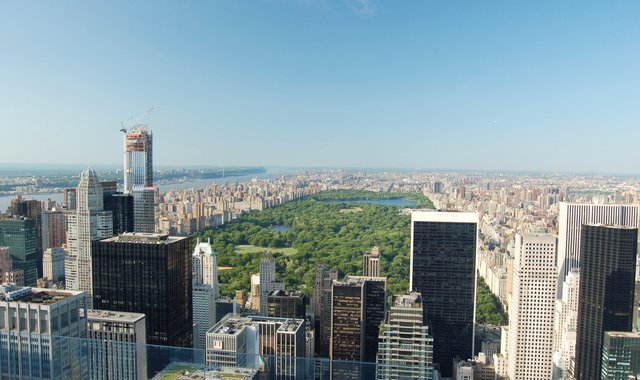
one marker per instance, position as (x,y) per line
(443,256)
(607,285)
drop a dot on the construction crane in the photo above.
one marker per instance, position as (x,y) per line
(136,122)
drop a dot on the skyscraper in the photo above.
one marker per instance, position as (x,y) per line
(443,253)
(405,350)
(321,307)
(371,263)
(565,323)
(607,284)
(121,206)
(358,309)
(138,159)
(572,216)
(54,228)
(18,233)
(267,280)
(53,263)
(31,208)
(138,178)
(87,222)
(205,291)
(531,315)
(149,274)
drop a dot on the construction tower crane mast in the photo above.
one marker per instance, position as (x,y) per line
(136,122)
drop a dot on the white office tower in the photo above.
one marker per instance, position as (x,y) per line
(39,334)
(53,263)
(87,222)
(205,268)
(205,292)
(570,220)
(267,280)
(405,349)
(117,345)
(530,343)
(566,321)
(138,178)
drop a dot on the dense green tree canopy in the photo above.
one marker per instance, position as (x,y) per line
(323,229)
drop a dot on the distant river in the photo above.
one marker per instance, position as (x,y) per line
(5,200)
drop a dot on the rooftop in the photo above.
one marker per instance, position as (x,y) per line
(12,293)
(143,238)
(110,316)
(359,280)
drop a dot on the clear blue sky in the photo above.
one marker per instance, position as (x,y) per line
(537,85)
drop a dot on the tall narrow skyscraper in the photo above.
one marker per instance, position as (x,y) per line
(205,291)
(321,307)
(87,222)
(267,281)
(443,270)
(138,159)
(607,284)
(138,178)
(533,304)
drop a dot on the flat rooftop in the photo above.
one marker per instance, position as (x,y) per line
(143,238)
(230,326)
(113,316)
(40,295)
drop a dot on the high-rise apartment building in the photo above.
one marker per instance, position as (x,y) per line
(284,304)
(321,307)
(371,263)
(620,355)
(18,233)
(205,291)
(606,298)
(405,349)
(138,159)
(358,308)
(149,274)
(443,254)
(570,219)
(39,334)
(138,178)
(531,315)
(117,345)
(267,280)
(54,228)
(31,208)
(86,223)
(53,263)
(7,274)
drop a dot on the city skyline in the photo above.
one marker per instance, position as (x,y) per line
(421,82)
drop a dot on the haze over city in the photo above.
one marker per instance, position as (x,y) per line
(473,85)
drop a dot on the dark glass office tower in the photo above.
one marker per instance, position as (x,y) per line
(150,274)
(284,304)
(19,234)
(607,284)
(358,308)
(31,208)
(122,207)
(443,255)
